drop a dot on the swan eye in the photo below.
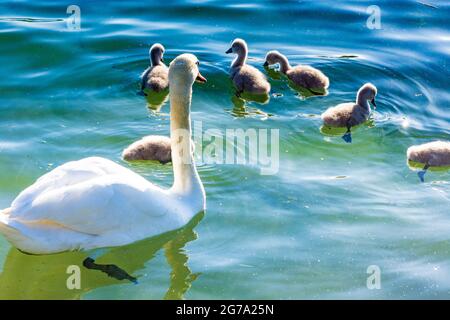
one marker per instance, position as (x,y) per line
(197,63)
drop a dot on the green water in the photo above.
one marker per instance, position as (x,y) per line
(309,231)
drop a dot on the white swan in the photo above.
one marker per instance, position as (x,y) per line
(156,76)
(94,202)
(245,77)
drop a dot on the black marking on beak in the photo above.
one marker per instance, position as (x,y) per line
(373,102)
(162,59)
(266,64)
(229,51)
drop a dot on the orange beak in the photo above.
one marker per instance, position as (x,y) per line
(200,78)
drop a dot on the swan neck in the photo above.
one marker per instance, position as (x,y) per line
(186,178)
(284,64)
(240,59)
(363,102)
(155,59)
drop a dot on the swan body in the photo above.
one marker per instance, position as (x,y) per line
(153,147)
(94,202)
(345,114)
(351,114)
(303,76)
(433,154)
(245,77)
(156,77)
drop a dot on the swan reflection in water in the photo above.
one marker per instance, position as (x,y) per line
(45,276)
(240,108)
(156,100)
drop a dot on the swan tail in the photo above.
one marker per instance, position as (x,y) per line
(5,212)
(42,237)
(10,233)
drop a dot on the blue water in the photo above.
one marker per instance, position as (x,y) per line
(311,230)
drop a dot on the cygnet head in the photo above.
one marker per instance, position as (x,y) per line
(367,93)
(156,54)
(238,46)
(184,70)
(273,57)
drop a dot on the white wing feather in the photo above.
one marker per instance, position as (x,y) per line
(80,194)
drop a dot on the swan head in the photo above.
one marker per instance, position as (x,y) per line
(156,53)
(184,69)
(238,46)
(367,93)
(273,57)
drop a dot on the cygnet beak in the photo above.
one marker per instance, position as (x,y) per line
(229,51)
(373,102)
(266,64)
